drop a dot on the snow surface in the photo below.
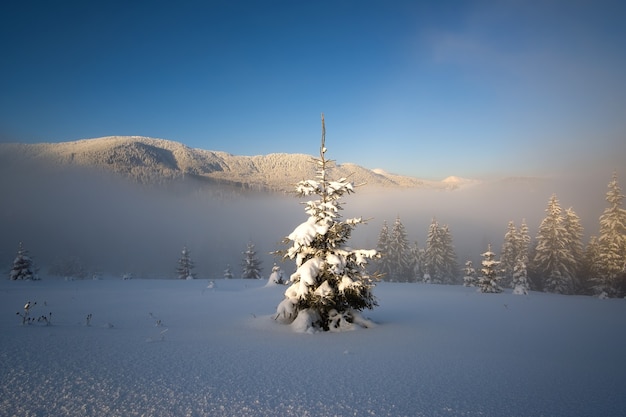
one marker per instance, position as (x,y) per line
(211,348)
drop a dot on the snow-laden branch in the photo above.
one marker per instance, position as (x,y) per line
(304,234)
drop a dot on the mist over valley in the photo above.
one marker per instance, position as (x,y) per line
(129,205)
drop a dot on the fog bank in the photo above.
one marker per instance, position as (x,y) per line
(116,226)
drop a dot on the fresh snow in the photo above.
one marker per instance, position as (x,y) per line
(212,348)
(304,234)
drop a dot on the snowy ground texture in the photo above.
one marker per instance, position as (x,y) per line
(180,348)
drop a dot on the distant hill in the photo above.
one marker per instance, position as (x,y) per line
(154,161)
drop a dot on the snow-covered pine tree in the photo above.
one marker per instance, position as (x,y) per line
(434,257)
(228,272)
(469,279)
(574,238)
(398,254)
(330,286)
(509,253)
(552,256)
(523,241)
(185,265)
(611,260)
(23,268)
(533,276)
(417,260)
(384,261)
(251,265)
(520,283)
(439,256)
(590,266)
(489,279)
(451,267)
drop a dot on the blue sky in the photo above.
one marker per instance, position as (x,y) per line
(468,88)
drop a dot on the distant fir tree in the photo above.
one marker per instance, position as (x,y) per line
(489,279)
(509,253)
(384,262)
(574,239)
(611,262)
(185,265)
(417,262)
(439,256)
(23,266)
(331,285)
(433,255)
(228,272)
(533,276)
(553,258)
(520,283)
(591,267)
(399,253)
(523,241)
(451,265)
(251,265)
(469,278)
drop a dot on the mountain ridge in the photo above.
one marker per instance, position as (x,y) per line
(150,160)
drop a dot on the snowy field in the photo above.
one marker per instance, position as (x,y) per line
(181,348)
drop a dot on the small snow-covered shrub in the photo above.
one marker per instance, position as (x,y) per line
(276,277)
(520,290)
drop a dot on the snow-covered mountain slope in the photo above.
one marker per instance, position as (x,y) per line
(455,182)
(156,160)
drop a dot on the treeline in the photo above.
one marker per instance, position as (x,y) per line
(556,260)
(24,267)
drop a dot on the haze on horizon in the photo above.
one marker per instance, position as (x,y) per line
(115,226)
(477,89)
